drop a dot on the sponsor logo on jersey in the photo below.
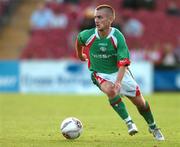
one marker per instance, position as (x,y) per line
(103,56)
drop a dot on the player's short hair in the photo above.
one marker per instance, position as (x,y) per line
(108,7)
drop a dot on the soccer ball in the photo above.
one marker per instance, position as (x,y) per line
(71,128)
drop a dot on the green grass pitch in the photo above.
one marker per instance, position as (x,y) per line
(34,120)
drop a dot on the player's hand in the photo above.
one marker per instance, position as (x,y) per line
(117,86)
(83,57)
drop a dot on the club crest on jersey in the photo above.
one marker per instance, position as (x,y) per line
(103,49)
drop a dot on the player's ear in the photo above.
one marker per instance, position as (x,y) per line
(111,19)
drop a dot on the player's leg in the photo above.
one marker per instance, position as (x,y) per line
(145,110)
(115,101)
(118,105)
(131,89)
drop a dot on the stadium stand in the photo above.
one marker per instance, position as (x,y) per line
(159,27)
(15,32)
(7,7)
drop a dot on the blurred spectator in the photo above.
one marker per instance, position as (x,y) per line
(59,19)
(137,4)
(173,9)
(147,4)
(168,55)
(41,17)
(88,18)
(54,1)
(130,4)
(138,53)
(73,15)
(72,1)
(177,51)
(154,54)
(7,8)
(118,22)
(132,27)
(60,1)
(71,41)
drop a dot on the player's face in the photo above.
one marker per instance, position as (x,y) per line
(102,20)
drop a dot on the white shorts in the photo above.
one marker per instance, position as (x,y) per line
(129,87)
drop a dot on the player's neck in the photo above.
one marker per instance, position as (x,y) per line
(104,33)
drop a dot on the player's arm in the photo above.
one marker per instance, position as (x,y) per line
(120,75)
(122,60)
(122,65)
(79,51)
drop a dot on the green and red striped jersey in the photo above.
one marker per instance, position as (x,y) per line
(105,55)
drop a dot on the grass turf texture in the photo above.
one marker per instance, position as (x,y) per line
(34,120)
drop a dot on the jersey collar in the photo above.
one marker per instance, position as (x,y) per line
(110,34)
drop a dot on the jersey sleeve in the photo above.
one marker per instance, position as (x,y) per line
(122,51)
(81,38)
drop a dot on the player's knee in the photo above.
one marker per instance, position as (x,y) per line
(111,93)
(108,89)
